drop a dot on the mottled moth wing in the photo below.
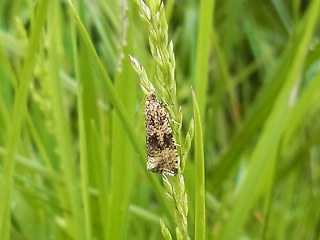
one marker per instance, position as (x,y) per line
(161,148)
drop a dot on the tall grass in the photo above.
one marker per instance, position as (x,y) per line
(72,138)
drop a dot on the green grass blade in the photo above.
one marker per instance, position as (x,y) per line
(88,116)
(200,215)
(121,153)
(203,51)
(83,139)
(18,113)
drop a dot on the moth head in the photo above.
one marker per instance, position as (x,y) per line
(151,95)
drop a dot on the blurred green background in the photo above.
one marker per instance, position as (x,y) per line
(72,138)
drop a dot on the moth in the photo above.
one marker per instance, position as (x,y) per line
(162,155)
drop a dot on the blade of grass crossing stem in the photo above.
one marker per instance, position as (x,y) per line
(203,50)
(200,216)
(89,111)
(82,137)
(261,167)
(121,154)
(119,107)
(19,110)
(62,132)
